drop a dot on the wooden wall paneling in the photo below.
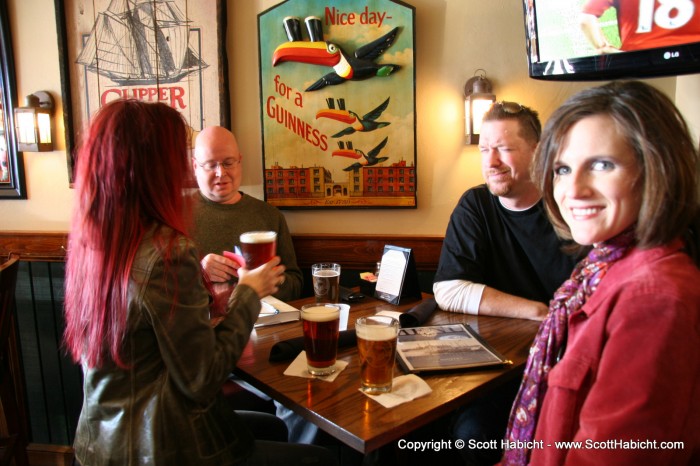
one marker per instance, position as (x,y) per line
(34,246)
(363,251)
(353,251)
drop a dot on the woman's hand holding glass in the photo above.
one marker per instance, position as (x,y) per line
(266,279)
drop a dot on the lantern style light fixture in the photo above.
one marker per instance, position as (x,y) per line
(478,98)
(33,123)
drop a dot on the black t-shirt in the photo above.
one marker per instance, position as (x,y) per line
(516,252)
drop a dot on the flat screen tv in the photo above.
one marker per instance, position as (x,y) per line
(584,40)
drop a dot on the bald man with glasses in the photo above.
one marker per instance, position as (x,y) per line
(222,212)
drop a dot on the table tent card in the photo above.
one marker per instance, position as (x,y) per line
(398,278)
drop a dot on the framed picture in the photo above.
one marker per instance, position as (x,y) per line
(172,51)
(11,163)
(338,107)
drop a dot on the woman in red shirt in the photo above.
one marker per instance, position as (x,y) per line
(614,372)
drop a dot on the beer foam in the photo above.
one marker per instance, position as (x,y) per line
(375,332)
(258,237)
(320,313)
(326,273)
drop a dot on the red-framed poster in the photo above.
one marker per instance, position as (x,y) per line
(337,90)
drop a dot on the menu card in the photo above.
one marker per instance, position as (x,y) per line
(398,278)
(443,347)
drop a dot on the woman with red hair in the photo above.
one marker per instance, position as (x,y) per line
(138,307)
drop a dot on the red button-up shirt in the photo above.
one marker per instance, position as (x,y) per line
(630,376)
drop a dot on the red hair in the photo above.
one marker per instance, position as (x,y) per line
(130,174)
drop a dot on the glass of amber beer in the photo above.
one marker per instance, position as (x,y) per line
(258,247)
(376,343)
(326,278)
(321,323)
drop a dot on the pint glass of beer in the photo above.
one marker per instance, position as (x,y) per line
(326,278)
(376,343)
(321,326)
(258,247)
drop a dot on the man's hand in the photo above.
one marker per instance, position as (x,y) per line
(219,268)
(537,311)
(496,303)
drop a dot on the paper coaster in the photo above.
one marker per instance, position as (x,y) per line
(405,388)
(298,369)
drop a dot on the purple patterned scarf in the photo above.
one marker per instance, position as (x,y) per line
(551,340)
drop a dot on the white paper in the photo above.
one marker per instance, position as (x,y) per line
(392,271)
(273,311)
(298,368)
(405,388)
(279,304)
(344,315)
(393,314)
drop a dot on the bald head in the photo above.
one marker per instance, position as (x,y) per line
(215,139)
(217,147)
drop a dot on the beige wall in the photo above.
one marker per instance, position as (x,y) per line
(453,39)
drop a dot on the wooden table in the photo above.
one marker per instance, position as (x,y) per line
(340,409)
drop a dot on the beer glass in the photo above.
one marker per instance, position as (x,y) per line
(258,247)
(320,323)
(376,343)
(326,278)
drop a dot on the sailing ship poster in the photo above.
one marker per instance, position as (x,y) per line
(151,50)
(337,84)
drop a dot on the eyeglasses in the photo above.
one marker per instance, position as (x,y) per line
(514,108)
(212,165)
(510,107)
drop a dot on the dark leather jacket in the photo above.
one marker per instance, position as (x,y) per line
(167,407)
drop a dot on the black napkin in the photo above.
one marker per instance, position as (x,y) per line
(418,314)
(289,349)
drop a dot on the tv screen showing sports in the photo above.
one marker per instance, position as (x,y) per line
(575,40)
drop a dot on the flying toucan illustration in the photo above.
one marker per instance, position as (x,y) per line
(357,66)
(365,123)
(345,150)
(370,158)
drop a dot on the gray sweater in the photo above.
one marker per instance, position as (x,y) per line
(218,227)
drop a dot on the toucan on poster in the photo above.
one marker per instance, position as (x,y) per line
(337,84)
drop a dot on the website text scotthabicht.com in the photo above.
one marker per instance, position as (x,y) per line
(438,445)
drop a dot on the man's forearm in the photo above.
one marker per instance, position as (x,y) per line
(497,303)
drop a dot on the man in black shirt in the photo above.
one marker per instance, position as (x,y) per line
(500,256)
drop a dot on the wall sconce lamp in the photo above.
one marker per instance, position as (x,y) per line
(33,123)
(477,100)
